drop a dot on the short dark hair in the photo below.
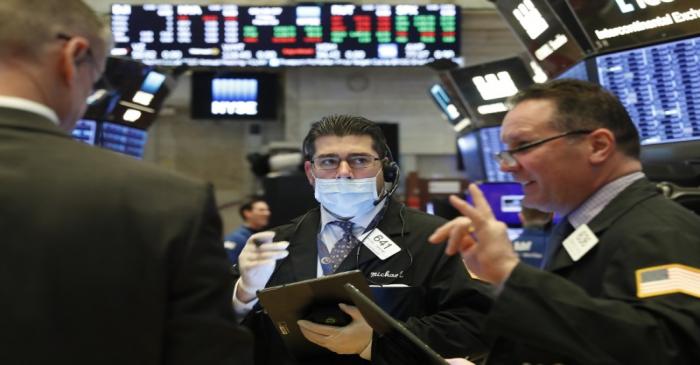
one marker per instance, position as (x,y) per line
(344,125)
(248,205)
(582,105)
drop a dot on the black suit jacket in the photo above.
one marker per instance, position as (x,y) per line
(105,260)
(442,305)
(588,312)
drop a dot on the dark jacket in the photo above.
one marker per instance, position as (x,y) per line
(443,305)
(105,260)
(589,312)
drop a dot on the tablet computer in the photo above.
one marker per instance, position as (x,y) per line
(314,299)
(384,325)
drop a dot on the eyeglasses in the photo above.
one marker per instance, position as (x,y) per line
(507,158)
(101,83)
(356,162)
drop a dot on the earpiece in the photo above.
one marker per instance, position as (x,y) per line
(390,169)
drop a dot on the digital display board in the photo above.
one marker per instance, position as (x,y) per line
(659,86)
(302,35)
(115,137)
(615,24)
(477,149)
(505,200)
(486,87)
(542,32)
(490,144)
(234,95)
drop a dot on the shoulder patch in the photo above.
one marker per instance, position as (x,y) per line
(668,279)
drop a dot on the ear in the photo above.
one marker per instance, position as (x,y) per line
(602,145)
(309,175)
(73,52)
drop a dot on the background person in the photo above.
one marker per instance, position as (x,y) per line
(103,259)
(348,165)
(256,215)
(531,243)
(622,267)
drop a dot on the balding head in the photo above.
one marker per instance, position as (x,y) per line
(51,53)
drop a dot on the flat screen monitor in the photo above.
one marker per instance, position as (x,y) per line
(543,33)
(85,131)
(486,87)
(314,34)
(135,95)
(471,157)
(490,144)
(505,199)
(115,137)
(123,139)
(618,24)
(444,103)
(659,86)
(234,95)
(579,71)
(476,150)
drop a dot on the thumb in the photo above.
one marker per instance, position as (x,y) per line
(351,310)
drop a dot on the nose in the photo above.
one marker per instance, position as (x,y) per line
(505,166)
(344,171)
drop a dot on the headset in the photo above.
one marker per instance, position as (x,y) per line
(391,172)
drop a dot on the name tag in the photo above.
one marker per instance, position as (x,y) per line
(380,244)
(580,242)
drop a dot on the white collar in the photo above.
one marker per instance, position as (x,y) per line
(14,102)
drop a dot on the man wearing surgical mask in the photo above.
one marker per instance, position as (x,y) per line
(350,167)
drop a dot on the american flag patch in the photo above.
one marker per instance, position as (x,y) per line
(668,279)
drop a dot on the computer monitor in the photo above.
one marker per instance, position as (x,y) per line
(115,137)
(490,144)
(228,95)
(505,199)
(486,87)
(548,32)
(659,85)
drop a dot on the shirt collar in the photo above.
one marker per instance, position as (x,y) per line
(361,221)
(600,199)
(14,102)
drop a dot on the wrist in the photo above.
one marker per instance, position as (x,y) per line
(367,352)
(244,293)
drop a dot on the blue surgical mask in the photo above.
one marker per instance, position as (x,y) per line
(346,198)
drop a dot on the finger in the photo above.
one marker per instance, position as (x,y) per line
(312,336)
(442,232)
(459,230)
(274,246)
(351,310)
(261,237)
(318,329)
(480,202)
(465,208)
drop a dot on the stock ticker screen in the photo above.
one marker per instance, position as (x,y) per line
(660,88)
(301,35)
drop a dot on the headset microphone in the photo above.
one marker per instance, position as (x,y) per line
(391,170)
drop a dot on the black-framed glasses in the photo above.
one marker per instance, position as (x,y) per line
(101,83)
(356,162)
(507,157)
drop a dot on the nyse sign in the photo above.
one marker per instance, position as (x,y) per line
(626,6)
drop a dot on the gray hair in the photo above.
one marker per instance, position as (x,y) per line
(26,26)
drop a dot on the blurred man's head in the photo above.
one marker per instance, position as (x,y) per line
(255,214)
(52,52)
(533,218)
(566,139)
